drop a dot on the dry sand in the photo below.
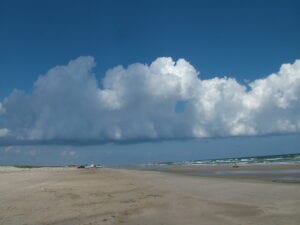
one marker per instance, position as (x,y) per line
(70,196)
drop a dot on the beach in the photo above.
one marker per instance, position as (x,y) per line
(71,196)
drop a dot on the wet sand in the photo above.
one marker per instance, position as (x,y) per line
(70,196)
(288,173)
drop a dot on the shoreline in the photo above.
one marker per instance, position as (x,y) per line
(262,172)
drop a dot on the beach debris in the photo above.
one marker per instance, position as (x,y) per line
(235,165)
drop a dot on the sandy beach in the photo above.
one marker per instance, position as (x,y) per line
(71,196)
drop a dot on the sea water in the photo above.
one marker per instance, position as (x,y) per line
(279,175)
(270,159)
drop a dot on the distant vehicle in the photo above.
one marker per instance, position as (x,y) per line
(89,166)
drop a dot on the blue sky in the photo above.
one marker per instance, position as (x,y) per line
(246,40)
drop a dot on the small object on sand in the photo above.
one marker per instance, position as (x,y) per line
(235,166)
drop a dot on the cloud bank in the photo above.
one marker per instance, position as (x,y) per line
(163,100)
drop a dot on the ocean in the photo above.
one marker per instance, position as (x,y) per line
(253,160)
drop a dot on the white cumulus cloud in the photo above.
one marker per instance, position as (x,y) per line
(4,132)
(140,101)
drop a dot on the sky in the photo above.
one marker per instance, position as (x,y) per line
(147,80)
